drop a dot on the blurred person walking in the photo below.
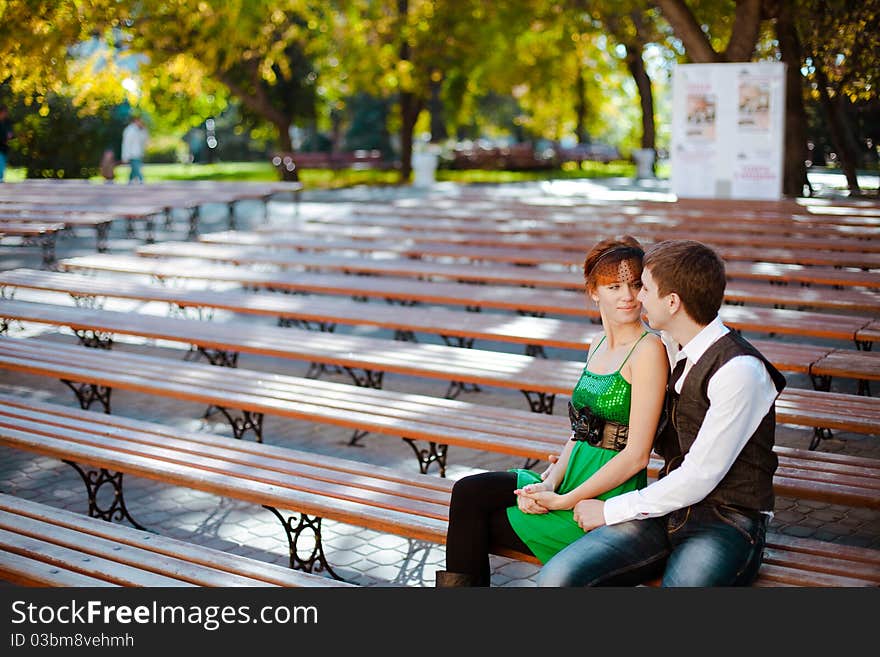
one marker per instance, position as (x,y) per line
(134,144)
(5,136)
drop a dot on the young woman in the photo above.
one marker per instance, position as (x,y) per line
(615,409)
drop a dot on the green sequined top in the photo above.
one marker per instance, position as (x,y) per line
(607,395)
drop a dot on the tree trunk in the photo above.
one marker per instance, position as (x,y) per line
(637,69)
(744,36)
(837,127)
(409,113)
(580,129)
(687,29)
(435,107)
(794,171)
(285,146)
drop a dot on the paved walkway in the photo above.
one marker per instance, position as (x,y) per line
(361,556)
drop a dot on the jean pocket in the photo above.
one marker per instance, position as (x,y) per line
(677,519)
(748,526)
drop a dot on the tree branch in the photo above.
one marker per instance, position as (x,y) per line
(685,25)
(746,24)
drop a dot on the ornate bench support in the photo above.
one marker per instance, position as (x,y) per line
(435,453)
(218,357)
(458,341)
(457,387)
(405,335)
(101,232)
(820,434)
(231,215)
(307,324)
(316,561)
(248,420)
(821,382)
(193,223)
(540,402)
(94,480)
(94,338)
(88,393)
(535,350)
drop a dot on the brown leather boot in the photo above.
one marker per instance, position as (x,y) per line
(445,579)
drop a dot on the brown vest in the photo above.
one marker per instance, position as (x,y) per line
(749,482)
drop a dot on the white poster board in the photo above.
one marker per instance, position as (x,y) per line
(728,129)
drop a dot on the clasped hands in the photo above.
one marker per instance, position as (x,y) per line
(541,498)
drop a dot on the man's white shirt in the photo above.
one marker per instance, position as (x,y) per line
(740,394)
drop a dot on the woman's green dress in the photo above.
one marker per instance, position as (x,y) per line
(608,396)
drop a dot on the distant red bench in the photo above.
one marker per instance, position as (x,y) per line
(289,163)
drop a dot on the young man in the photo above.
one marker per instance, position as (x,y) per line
(703,522)
(134,144)
(5,136)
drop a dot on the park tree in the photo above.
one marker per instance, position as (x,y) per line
(416,52)
(732,32)
(840,47)
(260,51)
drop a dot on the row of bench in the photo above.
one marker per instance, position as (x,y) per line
(44,546)
(246,396)
(864,331)
(226,339)
(318,487)
(850,300)
(564,278)
(38,206)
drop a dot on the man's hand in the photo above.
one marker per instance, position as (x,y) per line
(589,514)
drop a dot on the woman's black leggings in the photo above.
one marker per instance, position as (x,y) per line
(478,521)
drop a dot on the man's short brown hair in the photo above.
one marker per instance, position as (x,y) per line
(692,270)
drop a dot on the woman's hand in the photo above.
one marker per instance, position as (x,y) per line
(547,499)
(543,496)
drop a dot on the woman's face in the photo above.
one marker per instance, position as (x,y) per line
(617,295)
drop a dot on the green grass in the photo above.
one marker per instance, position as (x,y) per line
(327,179)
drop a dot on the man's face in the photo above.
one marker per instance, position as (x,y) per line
(653,306)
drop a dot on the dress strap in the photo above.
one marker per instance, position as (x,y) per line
(632,350)
(597,349)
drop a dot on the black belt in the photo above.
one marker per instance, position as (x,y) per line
(588,427)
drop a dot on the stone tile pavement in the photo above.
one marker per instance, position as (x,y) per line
(359,555)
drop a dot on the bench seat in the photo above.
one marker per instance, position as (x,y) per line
(820,362)
(347,491)
(44,546)
(850,301)
(775,272)
(862,331)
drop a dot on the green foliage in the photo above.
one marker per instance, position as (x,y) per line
(368,124)
(64,143)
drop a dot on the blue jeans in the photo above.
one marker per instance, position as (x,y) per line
(702,545)
(136,171)
(2,165)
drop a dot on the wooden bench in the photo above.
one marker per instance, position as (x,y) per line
(320,487)
(131,213)
(590,229)
(44,546)
(457,328)
(566,279)
(852,300)
(190,195)
(245,397)
(472,297)
(100,222)
(805,256)
(40,234)
(289,163)
(573,211)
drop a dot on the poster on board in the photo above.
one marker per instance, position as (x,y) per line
(728,130)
